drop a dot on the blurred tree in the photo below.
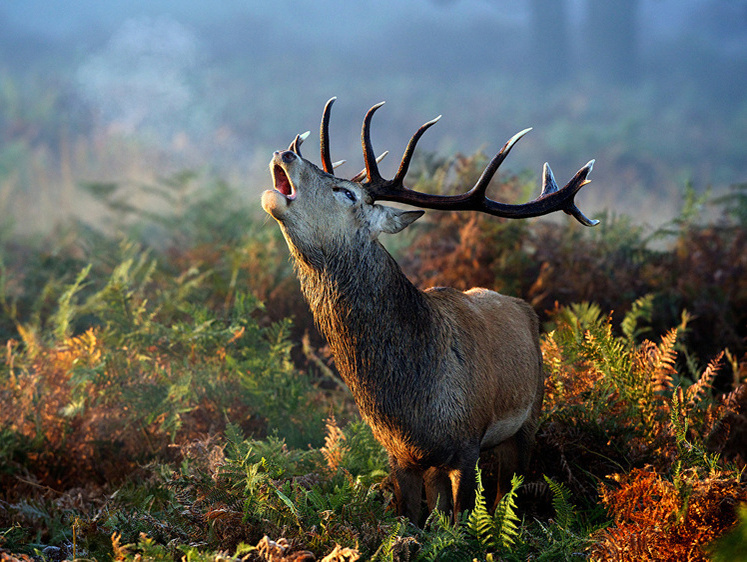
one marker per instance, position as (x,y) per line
(612,35)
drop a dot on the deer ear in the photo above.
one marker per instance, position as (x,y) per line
(392,220)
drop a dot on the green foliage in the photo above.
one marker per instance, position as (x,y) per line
(159,364)
(732,545)
(477,533)
(245,458)
(615,405)
(263,487)
(445,539)
(65,313)
(499,531)
(735,204)
(363,456)
(638,319)
(386,551)
(144,354)
(565,512)
(689,454)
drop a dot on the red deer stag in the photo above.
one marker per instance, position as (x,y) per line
(438,374)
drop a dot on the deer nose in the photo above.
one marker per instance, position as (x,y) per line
(287,156)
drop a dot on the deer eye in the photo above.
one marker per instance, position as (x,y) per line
(346,192)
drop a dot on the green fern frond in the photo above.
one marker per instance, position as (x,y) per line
(238,448)
(679,421)
(289,503)
(505,520)
(499,531)
(385,551)
(445,539)
(565,511)
(66,308)
(635,323)
(585,314)
(318,498)
(693,454)
(480,524)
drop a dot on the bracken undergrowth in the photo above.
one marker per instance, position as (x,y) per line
(158,403)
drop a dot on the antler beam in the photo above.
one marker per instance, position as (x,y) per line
(551,199)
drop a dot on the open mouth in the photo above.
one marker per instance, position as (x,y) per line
(282,183)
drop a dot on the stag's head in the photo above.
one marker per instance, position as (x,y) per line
(316,209)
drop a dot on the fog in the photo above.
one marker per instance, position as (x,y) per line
(104,91)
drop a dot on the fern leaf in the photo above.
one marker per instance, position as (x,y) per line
(66,309)
(698,391)
(288,502)
(565,514)
(505,520)
(446,540)
(318,499)
(480,523)
(658,361)
(334,445)
(236,440)
(678,418)
(385,551)
(641,310)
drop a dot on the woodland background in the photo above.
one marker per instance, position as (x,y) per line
(164,391)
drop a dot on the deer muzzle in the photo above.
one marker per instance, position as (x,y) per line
(282,182)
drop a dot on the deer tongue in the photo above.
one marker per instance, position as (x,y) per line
(282,183)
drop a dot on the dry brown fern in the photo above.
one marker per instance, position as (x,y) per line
(334,448)
(697,391)
(728,423)
(659,361)
(658,519)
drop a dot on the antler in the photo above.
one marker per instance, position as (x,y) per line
(324,137)
(295,146)
(551,198)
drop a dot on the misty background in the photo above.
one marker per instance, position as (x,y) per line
(92,91)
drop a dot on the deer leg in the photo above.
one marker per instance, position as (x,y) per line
(513,457)
(463,481)
(437,489)
(507,460)
(408,490)
(525,439)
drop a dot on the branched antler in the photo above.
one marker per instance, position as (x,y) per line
(551,199)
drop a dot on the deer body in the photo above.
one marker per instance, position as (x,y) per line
(438,374)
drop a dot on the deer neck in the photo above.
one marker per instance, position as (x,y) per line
(372,316)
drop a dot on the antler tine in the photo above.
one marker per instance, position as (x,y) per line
(324,137)
(295,146)
(482,184)
(362,174)
(372,169)
(548,181)
(576,183)
(407,156)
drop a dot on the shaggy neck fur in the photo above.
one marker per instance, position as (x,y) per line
(380,327)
